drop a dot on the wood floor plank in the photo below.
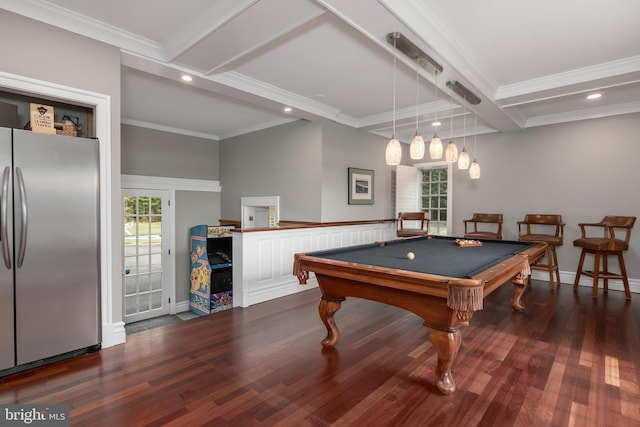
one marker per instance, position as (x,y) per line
(566,360)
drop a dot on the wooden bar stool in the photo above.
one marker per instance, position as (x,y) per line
(604,247)
(482,231)
(547,228)
(419,222)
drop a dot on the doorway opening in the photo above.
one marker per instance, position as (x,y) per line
(146,252)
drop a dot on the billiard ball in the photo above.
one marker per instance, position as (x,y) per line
(410,255)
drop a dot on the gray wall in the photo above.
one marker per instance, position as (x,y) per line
(344,147)
(582,170)
(549,169)
(305,163)
(46,53)
(282,161)
(192,208)
(152,152)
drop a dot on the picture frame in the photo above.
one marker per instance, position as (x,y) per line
(361,186)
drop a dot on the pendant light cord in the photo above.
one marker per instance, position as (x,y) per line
(394,87)
(417,86)
(451,96)
(436,84)
(475,135)
(464,123)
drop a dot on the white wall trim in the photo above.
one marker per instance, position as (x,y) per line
(263,260)
(181,307)
(169,129)
(112,331)
(567,278)
(168,183)
(141,182)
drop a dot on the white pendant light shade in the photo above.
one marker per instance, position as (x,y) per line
(416,149)
(393,155)
(435,148)
(474,170)
(451,153)
(463,159)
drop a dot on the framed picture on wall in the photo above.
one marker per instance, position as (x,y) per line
(360,186)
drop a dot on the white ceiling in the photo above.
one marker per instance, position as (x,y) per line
(531,64)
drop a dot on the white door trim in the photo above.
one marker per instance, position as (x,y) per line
(113,331)
(141,182)
(168,275)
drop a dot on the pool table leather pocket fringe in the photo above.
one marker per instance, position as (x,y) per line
(468,299)
(464,298)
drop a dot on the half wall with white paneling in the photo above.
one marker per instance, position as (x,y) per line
(263,260)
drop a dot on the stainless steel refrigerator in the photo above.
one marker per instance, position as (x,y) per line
(49,234)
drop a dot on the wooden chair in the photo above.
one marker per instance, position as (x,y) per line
(478,226)
(547,228)
(604,247)
(414,219)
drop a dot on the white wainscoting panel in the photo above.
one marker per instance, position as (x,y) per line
(263,259)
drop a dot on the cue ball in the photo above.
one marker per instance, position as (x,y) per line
(410,255)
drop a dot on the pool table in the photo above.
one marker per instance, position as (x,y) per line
(443,283)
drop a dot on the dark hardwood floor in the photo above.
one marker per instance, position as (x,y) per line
(568,360)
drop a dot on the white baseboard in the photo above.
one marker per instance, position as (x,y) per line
(181,307)
(568,278)
(113,334)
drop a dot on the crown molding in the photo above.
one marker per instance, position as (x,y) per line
(170,129)
(441,105)
(69,20)
(568,78)
(239,86)
(591,113)
(276,95)
(255,128)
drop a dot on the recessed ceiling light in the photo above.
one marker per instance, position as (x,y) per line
(186,78)
(436,124)
(594,96)
(287,109)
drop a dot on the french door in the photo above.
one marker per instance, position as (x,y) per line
(146,254)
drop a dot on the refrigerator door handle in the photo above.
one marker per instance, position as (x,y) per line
(3,217)
(23,202)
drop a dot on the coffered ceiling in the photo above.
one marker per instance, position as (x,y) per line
(530,63)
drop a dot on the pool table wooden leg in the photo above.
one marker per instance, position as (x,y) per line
(447,345)
(327,309)
(520,284)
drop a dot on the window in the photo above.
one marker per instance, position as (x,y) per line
(426,187)
(435,194)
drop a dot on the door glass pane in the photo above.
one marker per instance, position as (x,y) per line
(144,284)
(143,205)
(156,281)
(434,198)
(143,264)
(156,262)
(156,206)
(156,300)
(143,278)
(143,302)
(130,285)
(131,305)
